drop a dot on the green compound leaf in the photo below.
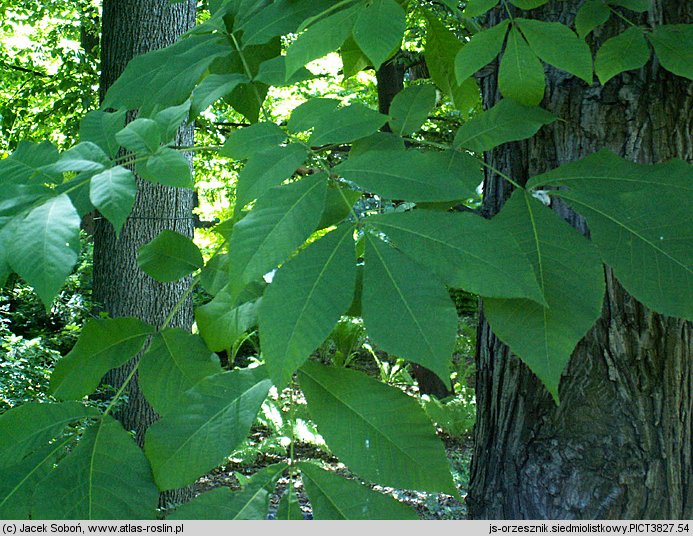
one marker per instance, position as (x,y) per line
(639,218)
(504,122)
(410,108)
(481,49)
(92,483)
(353,58)
(412,175)
(45,246)
(245,142)
(266,169)
(571,278)
(273,73)
(83,157)
(306,115)
(213,419)
(442,46)
(335,497)
(141,136)
(378,29)
(31,438)
(521,75)
(592,13)
(306,299)
(475,8)
(381,141)
(346,124)
(338,205)
(557,45)
(464,250)
(170,120)
(252,502)
(672,44)
(379,432)
(166,77)
(113,192)
(19,481)
(627,51)
(321,38)
(174,362)
(283,218)
(168,167)
(633,5)
(289,507)
(103,345)
(407,310)
(27,428)
(225,319)
(528,4)
(214,87)
(169,257)
(101,128)
(31,163)
(280,18)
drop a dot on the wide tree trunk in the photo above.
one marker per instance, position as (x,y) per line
(620,444)
(131,28)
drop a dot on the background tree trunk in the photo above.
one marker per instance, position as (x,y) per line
(131,28)
(620,444)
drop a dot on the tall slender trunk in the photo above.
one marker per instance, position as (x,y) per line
(620,444)
(131,28)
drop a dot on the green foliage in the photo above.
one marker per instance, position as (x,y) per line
(394,252)
(521,75)
(169,257)
(92,483)
(672,46)
(504,122)
(410,108)
(628,50)
(249,503)
(455,417)
(48,247)
(334,497)
(396,447)
(571,278)
(378,29)
(105,344)
(304,302)
(212,419)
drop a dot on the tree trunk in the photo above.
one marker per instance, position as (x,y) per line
(620,444)
(131,28)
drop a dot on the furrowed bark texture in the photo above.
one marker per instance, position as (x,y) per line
(620,444)
(131,28)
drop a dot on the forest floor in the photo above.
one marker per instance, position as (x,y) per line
(429,506)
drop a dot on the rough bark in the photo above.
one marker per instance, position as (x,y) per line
(620,444)
(130,28)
